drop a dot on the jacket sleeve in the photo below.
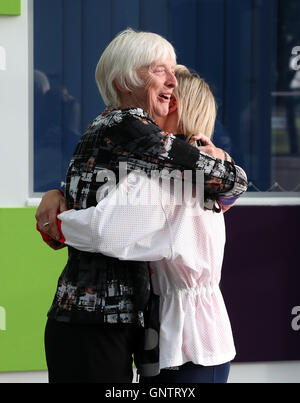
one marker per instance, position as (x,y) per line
(126,224)
(144,141)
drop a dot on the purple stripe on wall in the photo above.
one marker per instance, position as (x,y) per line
(261,281)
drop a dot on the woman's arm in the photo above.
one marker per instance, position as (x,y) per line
(143,140)
(126,224)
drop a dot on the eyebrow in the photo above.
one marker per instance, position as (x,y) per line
(165,65)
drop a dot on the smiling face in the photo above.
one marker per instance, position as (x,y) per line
(154,96)
(160,81)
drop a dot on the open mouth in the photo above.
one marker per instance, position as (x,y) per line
(164,97)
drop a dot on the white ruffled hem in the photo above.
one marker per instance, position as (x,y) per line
(195,328)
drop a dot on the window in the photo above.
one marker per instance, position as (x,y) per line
(242,48)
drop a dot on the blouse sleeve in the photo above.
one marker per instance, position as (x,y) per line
(128,224)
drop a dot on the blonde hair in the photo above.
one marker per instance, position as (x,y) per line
(121,59)
(196,104)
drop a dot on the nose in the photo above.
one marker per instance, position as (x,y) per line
(171,80)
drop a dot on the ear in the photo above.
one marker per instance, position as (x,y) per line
(173,104)
(119,87)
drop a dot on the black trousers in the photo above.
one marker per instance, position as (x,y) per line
(90,353)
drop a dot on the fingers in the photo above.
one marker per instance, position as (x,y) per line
(204,139)
(52,203)
(208,149)
(47,223)
(53,229)
(63,205)
(42,221)
(198,136)
(212,150)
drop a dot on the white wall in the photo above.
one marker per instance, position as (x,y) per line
(260,372)
(265,372)
(15,90)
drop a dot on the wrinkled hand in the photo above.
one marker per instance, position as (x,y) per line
(52,204)
(209,148)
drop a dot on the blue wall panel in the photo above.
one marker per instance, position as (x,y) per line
(209,57)
(155,16)
(125,14)
(96,34)
(184,30)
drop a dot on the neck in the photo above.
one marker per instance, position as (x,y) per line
(128,100)
(161,122)
(168,123)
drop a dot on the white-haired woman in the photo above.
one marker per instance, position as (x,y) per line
(99,300)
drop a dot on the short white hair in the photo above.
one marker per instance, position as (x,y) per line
(121,59)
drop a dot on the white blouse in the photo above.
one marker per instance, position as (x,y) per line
(142,220)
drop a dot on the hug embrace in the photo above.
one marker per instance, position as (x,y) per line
(142,279)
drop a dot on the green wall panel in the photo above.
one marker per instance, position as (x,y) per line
(29,270)
(10,7)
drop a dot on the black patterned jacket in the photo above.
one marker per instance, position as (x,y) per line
(94,288)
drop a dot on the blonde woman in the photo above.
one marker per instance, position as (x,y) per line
(193,110)
(195,338)
(193,107)
(184,243)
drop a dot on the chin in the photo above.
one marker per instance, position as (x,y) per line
(163,113)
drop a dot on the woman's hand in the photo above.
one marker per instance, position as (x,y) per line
(52,204)
(209,148)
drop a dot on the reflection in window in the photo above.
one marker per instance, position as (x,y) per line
(286,99)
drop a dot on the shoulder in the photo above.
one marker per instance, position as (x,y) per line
(133,126)
(136,119)
(115,117)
